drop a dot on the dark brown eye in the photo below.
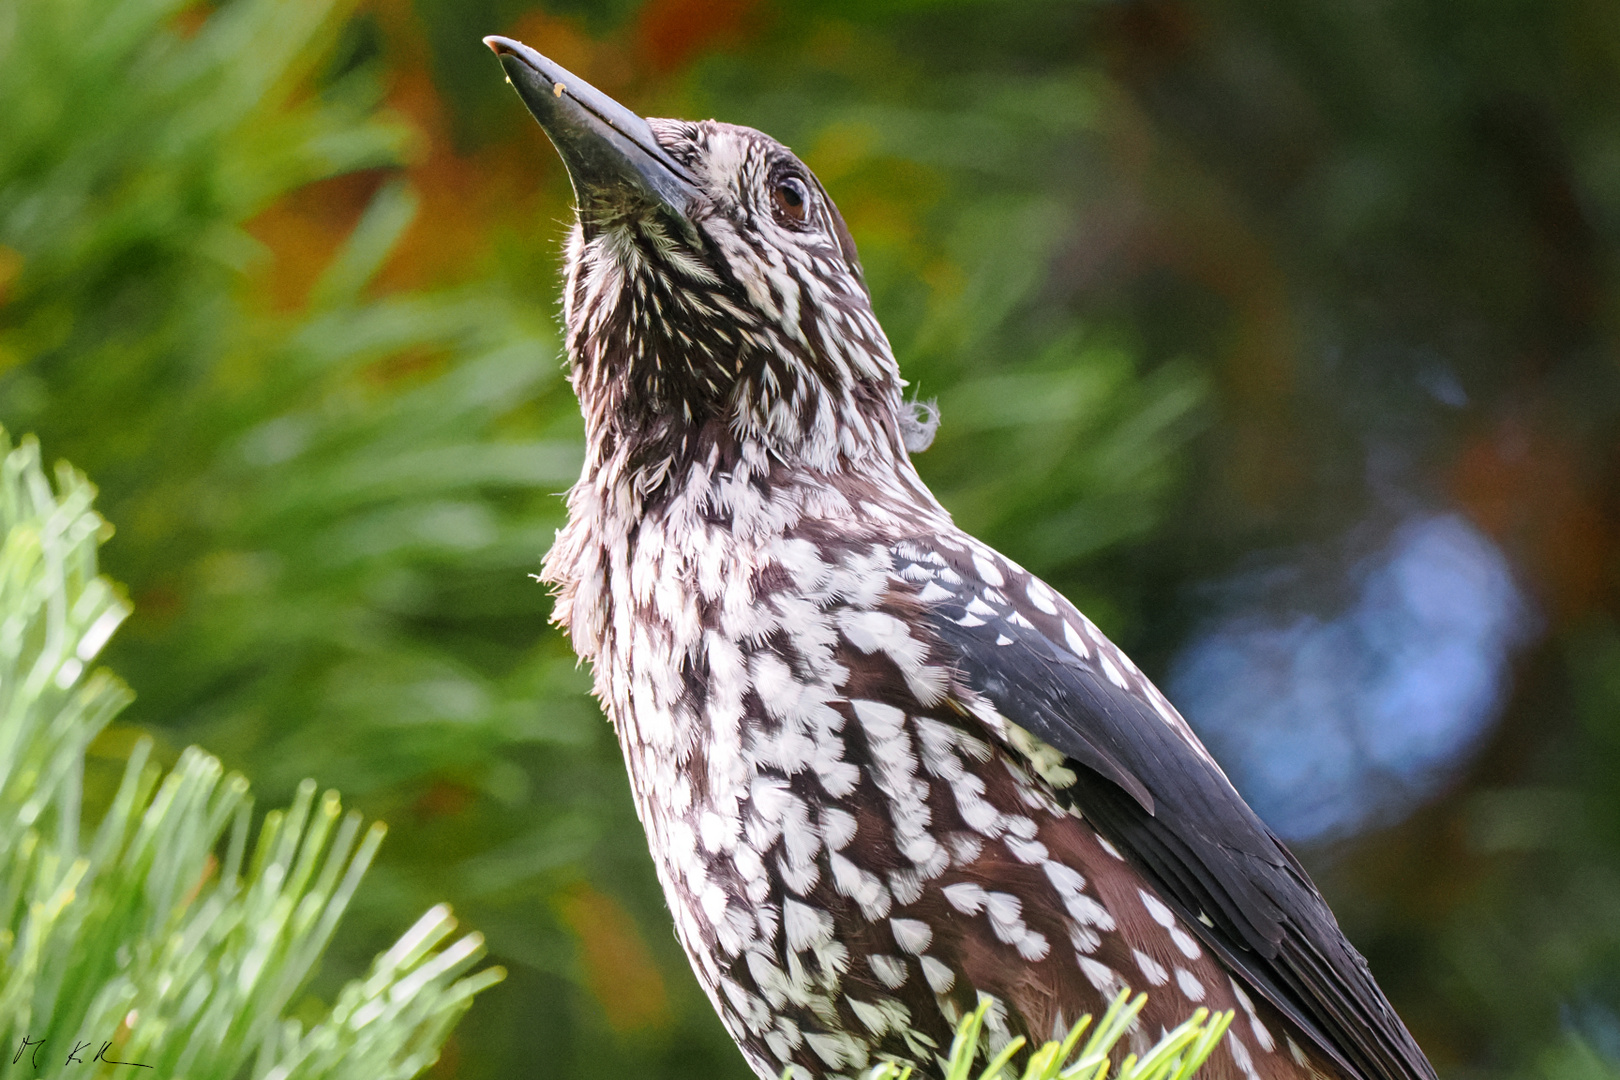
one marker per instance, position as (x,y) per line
(791,198)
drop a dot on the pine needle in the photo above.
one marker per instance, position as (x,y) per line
(1176,1056)
(161,941)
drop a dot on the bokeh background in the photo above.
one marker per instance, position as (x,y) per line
(1282,335)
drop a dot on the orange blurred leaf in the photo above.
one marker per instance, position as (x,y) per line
(619,968)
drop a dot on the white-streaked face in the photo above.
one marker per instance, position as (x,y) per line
(751,312)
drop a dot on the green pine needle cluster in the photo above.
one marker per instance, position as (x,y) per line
(166,936)
(326,506)
(1176,1056)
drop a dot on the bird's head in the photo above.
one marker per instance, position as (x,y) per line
(713,295)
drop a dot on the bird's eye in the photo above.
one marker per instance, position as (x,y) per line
(792,200)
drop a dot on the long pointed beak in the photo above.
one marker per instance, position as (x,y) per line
(611,154)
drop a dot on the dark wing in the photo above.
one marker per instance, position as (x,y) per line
(1152,789)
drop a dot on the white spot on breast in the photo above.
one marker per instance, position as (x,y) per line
(770,797)
(806,926)
(838,827)
(801,840)
(1028,851)
(835,1049)
(875,631)
(1090,912)
(834,960)
(1084,939)
(1185,942)
(1240,1055)
(1064,878)
(1082,909)
(965,847)
(880,720)
(1151,969)
(773,982)
(750,1009)
(933,594)
(1110,848)
(912,935)
(906,885)
(988,570)
(870,1015)
(1189,984)
(1004,911)
(862,887)
(1155,908)
(769,918)
(751,869)
(1104,978)
(871,631)
(1033,946)
(717,833)
(940,977)
(965,897)
(1261,1034)
(939,747)
(891,971)
(970,803)
(838,778)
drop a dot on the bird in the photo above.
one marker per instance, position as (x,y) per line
(885,773)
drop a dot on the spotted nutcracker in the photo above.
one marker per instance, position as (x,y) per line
(883,770)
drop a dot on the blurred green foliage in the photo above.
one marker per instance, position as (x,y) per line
(158,938)
(1190,279)
(324,516)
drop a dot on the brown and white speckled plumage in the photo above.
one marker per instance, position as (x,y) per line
(882,769)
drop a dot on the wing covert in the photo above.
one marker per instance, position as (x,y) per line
(1145,781)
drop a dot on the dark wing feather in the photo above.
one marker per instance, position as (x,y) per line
(1150,787)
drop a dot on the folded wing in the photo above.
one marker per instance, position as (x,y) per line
(1147,783)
